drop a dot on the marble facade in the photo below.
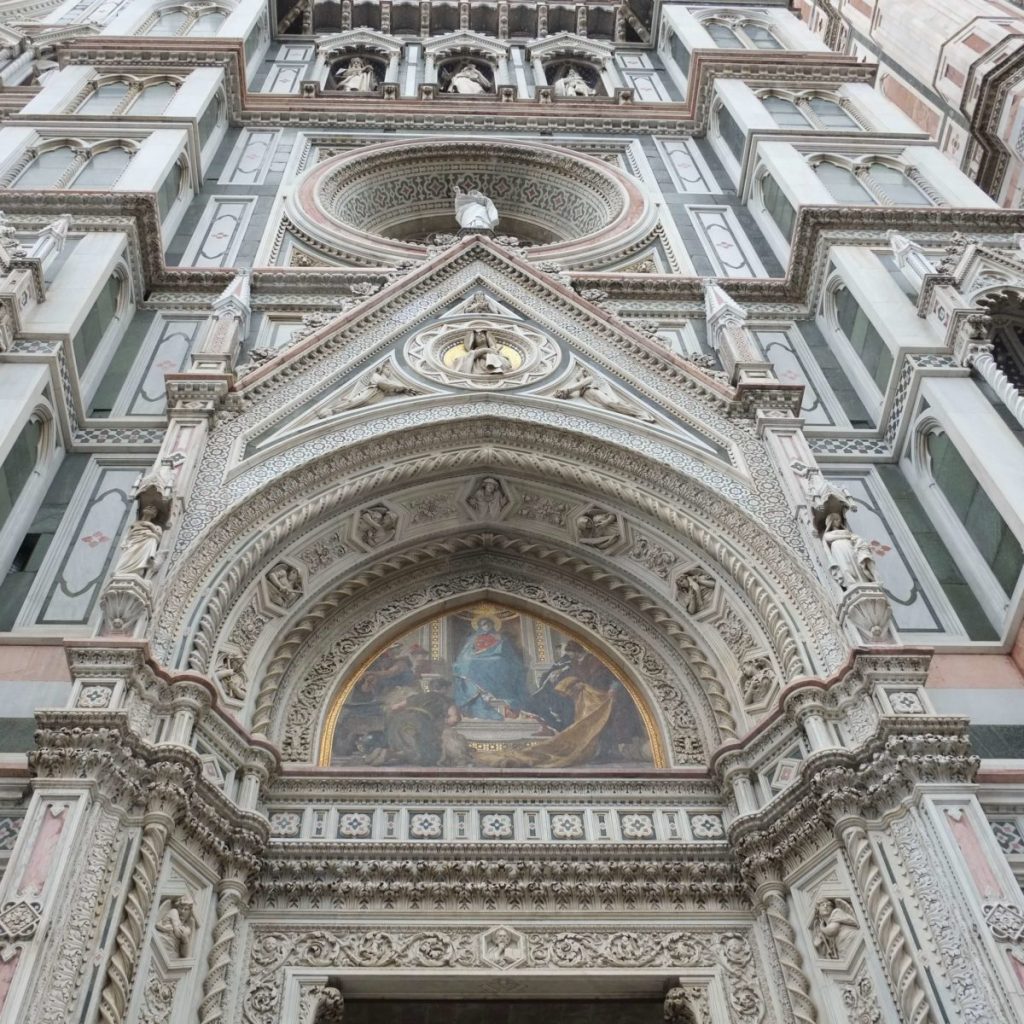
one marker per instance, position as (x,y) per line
(502,502)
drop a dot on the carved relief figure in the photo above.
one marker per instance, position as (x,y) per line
(381,383)
(483,355)
(694,588)
(598,528)
(479,303)
(588,388)
(677,1009)
(140,545)
(469,80)
(474,211)
(230,675)
(284,582)
(572,83)
(489,500)
(176,926)
(377,525)
(833,928)
(757,676)
(357,76)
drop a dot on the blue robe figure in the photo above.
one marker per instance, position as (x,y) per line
(489,675)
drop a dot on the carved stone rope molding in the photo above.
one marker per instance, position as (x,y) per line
(798,987)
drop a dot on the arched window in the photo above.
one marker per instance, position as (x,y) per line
(153,99)
(864,339)
(742,36)
(785,112)
(724,36)
(169,23)
(103,168)
(207,24)
(760,37)
(186,22)
(996,543)
(896,186)
(843,185)
(98,321)
(130,95)
(18,465)
(106,98)
(47,169)
(66,167)
(831,114)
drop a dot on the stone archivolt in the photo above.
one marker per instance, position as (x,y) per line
(384,201)
(258,521)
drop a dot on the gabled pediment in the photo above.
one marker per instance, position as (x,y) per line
(568,44)
(360,39)
(478,330)
(465,42)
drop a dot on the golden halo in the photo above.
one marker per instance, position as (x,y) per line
(492,612)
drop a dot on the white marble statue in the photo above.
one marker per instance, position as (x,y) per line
(572,83)
(834,927)
(474,211)
(483,356)
(358,76)
(176,927)
(850,559)
(588,388)
(140,545)
(380,384)
(469,81)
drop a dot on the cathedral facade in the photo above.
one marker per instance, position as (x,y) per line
(508,509)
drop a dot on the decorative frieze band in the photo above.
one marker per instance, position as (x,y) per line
(496,823)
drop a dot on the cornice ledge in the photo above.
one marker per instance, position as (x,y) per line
(101,747)
(865,783)
(130,659)
(863,665)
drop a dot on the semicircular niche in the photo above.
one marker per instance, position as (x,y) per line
(390,201)
(487,686)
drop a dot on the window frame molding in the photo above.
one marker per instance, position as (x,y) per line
(917,464)
(802,100)
(82,153)
(193,11)
(137,85)
(860,168)
(736,21)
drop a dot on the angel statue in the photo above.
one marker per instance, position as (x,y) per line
(833,928)
(588,388)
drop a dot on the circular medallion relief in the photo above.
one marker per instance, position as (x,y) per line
(482,353)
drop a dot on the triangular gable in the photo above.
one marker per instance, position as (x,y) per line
(488,270)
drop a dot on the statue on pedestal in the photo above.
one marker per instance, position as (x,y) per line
(572,83)
(469,81)
(358,76)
